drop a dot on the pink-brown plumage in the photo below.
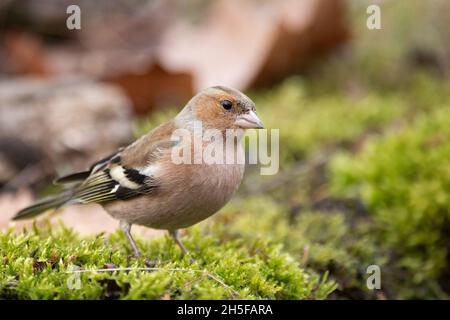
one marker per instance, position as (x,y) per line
(141,184)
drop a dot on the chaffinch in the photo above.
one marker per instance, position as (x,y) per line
(141,184)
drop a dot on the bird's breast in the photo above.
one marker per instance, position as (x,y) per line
(186,194)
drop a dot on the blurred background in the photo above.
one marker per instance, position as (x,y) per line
(363,116)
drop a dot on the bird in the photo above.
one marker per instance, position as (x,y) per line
(140,184)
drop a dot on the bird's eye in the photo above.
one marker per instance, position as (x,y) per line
(227,104)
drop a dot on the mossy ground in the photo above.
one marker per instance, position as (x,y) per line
(364,179)
(55,263)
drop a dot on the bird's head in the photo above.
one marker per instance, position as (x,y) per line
(222,108)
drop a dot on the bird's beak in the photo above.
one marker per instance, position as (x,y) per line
(249,121)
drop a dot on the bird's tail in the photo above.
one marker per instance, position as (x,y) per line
(44,204)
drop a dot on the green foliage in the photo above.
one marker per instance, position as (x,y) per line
(404,177)
(323,242)
(36,265)
(310,123)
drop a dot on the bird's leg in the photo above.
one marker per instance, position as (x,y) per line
(176,236)
(126,227)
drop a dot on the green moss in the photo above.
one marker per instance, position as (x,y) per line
(36,265)
(404,177)
(335,242)
(310,123)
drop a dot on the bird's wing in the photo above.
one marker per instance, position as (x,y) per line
(107,180)
(83,175)
(114,182)
(122,175)
(112,179)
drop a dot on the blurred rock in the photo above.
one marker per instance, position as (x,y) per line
(248,44)
(47,124)
(121,50)
(162,52)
